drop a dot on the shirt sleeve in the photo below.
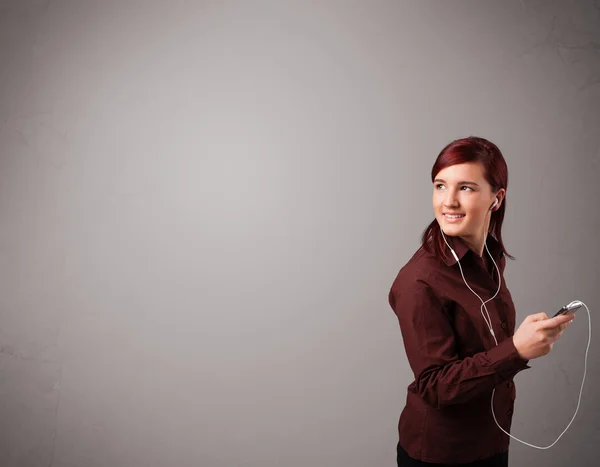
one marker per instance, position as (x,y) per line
(441,377)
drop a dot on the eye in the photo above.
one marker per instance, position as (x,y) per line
(467,187)
(439,186)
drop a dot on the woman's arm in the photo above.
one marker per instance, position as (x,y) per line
(442,378)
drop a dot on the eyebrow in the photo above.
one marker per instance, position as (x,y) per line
(466,182)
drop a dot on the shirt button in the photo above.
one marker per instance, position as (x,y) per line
(504,325)
(509,384)
(509,412)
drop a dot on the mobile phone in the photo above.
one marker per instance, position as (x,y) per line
(570,308)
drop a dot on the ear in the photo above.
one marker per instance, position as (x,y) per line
(501,194)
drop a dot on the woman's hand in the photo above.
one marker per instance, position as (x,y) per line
(538,333)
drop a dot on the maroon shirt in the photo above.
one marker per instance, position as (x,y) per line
(455,361)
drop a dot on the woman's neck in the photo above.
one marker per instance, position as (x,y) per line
(476,244)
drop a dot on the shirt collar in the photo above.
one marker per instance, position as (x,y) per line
(461,249)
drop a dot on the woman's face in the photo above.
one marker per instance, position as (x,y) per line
(461,200)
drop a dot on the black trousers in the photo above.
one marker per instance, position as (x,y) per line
(498,460)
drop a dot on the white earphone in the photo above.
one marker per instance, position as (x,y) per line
(495,204)
(488,321)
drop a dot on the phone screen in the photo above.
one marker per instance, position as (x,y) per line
(565,310)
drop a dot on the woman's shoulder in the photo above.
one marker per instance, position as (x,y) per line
(416,278)
(418,269)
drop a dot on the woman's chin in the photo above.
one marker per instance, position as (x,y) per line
(451,229)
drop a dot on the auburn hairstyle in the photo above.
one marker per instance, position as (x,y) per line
(460,151)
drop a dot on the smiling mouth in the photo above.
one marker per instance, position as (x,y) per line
(454,216)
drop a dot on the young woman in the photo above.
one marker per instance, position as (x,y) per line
(457,319)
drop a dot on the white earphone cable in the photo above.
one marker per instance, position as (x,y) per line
(578,400)
(489,324)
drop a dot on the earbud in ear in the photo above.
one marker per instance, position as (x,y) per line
(493,208)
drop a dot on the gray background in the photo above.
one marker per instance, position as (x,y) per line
(203,206)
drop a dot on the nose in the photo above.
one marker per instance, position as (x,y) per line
(451,200)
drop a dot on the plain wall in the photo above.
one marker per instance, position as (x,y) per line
(203,206)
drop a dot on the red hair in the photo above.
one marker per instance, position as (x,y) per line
(465,150)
